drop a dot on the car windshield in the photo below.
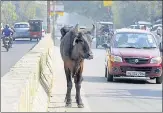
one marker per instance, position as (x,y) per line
(21,26)
(134,40)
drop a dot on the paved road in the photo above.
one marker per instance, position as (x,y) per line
(8,59)
(101,96)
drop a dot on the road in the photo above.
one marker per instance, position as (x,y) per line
(101,96)
(20,48)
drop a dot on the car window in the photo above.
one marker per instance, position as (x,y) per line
(136,40)
(21,26)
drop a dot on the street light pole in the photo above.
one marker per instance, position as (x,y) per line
(54,21)
(48,16)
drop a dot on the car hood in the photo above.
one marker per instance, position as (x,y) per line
(132,52)
(21,29)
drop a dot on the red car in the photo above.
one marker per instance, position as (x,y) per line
(133,53)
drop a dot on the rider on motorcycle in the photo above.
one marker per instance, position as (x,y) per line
(7,32)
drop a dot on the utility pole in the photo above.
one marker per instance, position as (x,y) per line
(54,21)
(48,16)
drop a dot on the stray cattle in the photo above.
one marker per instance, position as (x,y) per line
(75,46)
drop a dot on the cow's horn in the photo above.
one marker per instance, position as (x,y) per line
(74,41)
(76,27)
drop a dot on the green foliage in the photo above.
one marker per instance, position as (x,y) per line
(124,12)
(17,11)
(8,13)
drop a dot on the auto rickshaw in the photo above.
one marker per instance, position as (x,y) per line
(35,29)
(102,36)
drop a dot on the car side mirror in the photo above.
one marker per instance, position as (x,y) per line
(106,46)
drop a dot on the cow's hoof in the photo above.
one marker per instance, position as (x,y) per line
(68,105)
(80,105)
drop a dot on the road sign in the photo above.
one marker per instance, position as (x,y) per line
(51,13)
(59,8)
(107,3)
(60,13)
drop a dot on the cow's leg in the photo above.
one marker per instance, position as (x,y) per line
(78,81)
(69,87)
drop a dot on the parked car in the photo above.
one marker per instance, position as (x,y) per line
(133,53)
(21,30)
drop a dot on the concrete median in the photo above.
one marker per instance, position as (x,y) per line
(27,86)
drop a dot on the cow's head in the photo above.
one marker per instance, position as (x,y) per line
(82,43)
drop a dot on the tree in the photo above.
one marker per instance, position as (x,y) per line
(124,13)
(16,11)
(8,14)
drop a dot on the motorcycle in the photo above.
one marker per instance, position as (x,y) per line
(7,43)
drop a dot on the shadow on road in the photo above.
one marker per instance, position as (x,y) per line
(3,51)
(94,79)
(132,81)
(134,93)
(98,79)
(25,42)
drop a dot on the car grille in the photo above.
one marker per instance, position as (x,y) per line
(136,60)
(143,69)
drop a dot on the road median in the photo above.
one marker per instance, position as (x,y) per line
(27,86)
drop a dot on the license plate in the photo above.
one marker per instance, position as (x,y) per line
(135,73)
(35,35)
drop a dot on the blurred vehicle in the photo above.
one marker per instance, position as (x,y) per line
(159,35)
(1,30)
(134,26)
(1,26)
(133,54)
(35,29)
(154,27)
(159,21)
(103,32)
(59,25)
(83,27)
(21,30)
(144,23)
(43,32)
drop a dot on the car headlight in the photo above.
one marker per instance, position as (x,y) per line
(156,60)
(116,58)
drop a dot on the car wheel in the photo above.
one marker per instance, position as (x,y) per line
(109,77)
(152,78)
(159,79)
(106,71)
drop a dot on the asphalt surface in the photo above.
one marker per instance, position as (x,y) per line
(101,96)
(9,59)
